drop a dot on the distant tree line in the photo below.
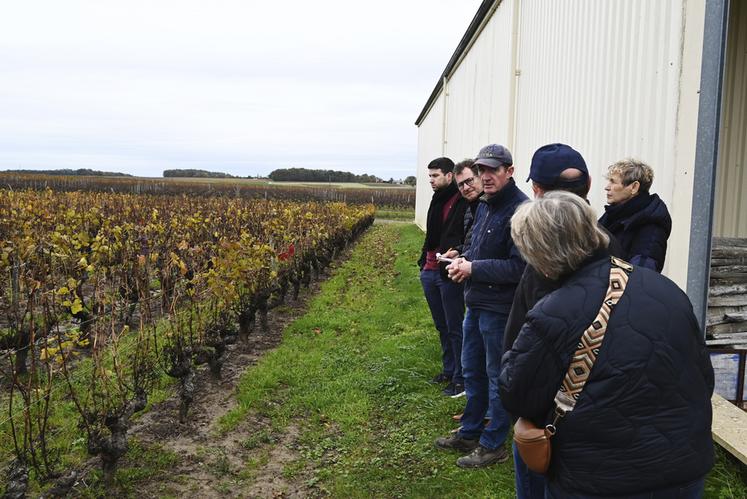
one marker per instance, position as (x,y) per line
(196,173)
(307,175)
(67,171)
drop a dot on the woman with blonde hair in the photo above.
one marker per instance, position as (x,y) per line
(640,426)
(638,219)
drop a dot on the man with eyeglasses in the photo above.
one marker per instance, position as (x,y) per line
(470,186)
(444,230)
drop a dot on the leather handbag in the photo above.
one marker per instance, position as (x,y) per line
(533,442)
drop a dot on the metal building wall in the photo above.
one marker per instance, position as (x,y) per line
(730,217)
(479,91)
(430,146)
(478,102)
(616,96)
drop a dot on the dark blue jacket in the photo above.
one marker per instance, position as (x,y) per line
(643,420)
(642,226)
(496,263)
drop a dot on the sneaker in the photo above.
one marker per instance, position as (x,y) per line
(440,378)
(482,456)
(454,390)
(457,442)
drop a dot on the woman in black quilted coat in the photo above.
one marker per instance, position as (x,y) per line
(639,220)
(641,426)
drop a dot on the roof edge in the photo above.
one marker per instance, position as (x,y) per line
(464,44)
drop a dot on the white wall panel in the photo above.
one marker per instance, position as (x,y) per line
(604,77)
(479,100)
(730,218)
(430,146)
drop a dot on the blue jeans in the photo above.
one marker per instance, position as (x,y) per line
(529,485)
(446,300)
(481,364)
(692,490)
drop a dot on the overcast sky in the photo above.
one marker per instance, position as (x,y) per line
(241,87)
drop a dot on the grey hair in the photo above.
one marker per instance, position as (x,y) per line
(556,233)
(631,170)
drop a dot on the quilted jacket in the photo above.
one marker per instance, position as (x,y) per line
(496,263)
(642,226)
(643,420)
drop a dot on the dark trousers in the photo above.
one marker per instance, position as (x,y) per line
(446,301)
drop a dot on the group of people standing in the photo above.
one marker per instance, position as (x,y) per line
(512,284)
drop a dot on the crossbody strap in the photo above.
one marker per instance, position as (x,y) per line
(590,343)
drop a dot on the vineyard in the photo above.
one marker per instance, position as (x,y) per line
(105,293)
(382,197)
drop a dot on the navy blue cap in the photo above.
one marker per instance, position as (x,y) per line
(549,162)
(494,156)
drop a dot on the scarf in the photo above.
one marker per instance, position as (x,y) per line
(614,214)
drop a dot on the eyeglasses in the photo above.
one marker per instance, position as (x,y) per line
(466,182)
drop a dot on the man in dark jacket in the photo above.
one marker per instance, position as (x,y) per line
(491,268)
(444,230)
(555,167)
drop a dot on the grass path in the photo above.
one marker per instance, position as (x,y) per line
(352,375)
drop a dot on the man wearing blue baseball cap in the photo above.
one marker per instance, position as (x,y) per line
(554,167)
(491,268)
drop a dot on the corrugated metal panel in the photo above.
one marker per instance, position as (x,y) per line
(479,100)
(430,146)
(730,218)
(604,78)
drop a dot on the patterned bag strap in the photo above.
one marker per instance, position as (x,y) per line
(590,343)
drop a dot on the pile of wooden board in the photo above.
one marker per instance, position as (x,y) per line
(726,324)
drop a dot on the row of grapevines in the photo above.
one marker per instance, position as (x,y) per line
(102,291)
(390,197)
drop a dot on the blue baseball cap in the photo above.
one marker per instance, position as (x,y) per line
(494,156)
(549,162)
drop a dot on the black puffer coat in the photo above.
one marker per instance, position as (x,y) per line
(642,226)
(643,421)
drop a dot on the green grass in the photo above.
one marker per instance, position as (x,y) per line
(142,463)
(352,374)
(395,214)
